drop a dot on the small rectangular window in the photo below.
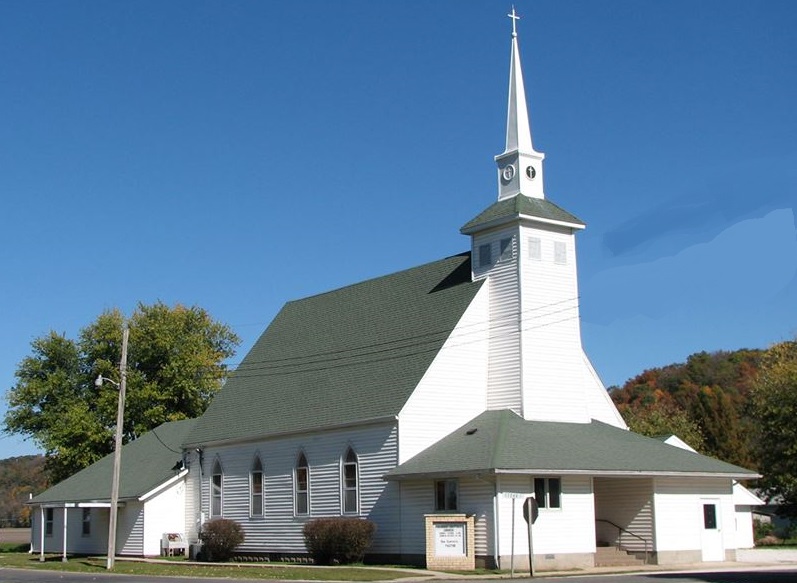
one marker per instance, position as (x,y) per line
(48,522)
(548,492)
(710,516)
(302,484)
(485,255)
(257,493)
(446,494)
(86,531)
(535,248)
(560,252)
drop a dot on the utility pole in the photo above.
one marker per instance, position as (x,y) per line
(117,453)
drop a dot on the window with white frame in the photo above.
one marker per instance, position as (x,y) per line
(301,479)
(446,494)
(86,528)
(350,483)
(548,492)
(48,521)
(216,489)
(256,507)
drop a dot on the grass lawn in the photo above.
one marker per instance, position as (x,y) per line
(175,568)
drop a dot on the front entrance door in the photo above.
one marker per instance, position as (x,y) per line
(713,549)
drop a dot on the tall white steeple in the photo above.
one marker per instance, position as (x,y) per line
(524,247)
(520,165)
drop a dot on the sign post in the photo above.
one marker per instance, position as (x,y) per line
(530,513)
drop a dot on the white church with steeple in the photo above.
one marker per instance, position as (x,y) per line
(434,402)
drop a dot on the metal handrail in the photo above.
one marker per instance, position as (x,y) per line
(622,530)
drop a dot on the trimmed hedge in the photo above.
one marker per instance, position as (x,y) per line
(219,538)
(338,540)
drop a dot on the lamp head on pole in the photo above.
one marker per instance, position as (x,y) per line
(101,379)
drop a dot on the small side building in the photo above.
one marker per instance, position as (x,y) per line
(72,517)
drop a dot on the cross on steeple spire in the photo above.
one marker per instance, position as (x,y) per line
(520,166)
(513,15)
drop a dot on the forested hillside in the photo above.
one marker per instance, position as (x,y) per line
(709,393)
(19,477)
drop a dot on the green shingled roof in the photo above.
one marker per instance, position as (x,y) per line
(147,463)
(502,441)
(346,356)
(518,206)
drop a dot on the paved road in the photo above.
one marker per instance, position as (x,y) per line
(782,574)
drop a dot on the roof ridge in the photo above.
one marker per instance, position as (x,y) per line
(377,278)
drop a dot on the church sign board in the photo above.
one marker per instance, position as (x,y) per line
(449,542)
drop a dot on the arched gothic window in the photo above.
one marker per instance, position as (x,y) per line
(301,481)
(350,481)
(256,489)
(216,486)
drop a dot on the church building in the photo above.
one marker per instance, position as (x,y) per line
(430,400)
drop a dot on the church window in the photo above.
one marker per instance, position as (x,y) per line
(301,486)
(48,521)
(350,482)
(507,251)
(256,488)
(216,485)
(86,528)
(560,252)
(446,495)
(535,248)
(548,492)
(485,255)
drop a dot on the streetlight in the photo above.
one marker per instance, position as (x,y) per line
(117,452)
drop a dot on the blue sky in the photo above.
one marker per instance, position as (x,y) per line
(237,155)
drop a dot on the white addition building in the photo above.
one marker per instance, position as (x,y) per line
(447,390)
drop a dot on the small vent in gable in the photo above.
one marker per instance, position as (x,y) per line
(535,248)
(560,252)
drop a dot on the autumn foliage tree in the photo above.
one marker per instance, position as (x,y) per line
(708,393)
(774,400)
(175,366)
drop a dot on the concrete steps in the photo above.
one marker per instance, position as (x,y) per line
(614,557)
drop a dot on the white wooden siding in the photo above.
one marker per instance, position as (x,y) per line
(569,529)
(453,389)
(628,503)
(417,500)
(95,543)
(599,404)
(504,370)
(279,531)
(164,512)
(130,532)
(679,513)
(553,367)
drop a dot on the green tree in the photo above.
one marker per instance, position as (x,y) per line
(775,410)
(175,366)
(663,418)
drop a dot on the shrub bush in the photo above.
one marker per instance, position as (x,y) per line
(338,540)
(219,538)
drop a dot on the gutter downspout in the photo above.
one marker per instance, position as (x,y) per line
(41,533)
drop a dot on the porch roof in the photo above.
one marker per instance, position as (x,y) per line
(499,442)
(147,463)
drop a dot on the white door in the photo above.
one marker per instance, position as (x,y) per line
(712,530)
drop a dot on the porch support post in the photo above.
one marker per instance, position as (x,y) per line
(66,513)
(41,534)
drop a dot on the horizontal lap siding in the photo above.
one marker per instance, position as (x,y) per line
(569,529)
(628,503)
(417,500)
(679,513)
(279,531)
